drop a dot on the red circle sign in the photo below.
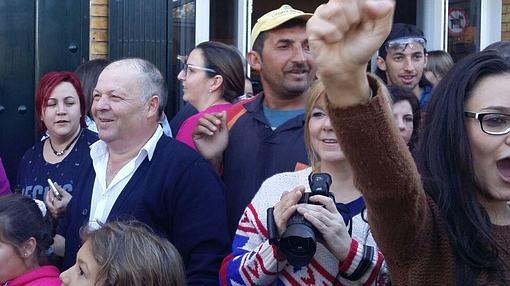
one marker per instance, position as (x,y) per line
(457,20)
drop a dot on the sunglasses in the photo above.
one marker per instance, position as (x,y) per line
(401,44)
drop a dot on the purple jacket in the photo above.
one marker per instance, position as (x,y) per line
(5,188)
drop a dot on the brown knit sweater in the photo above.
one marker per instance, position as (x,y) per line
(405,222)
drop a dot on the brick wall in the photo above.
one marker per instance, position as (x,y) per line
(98,29)
(505,21)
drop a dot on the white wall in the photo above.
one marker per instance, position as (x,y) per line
(490,22)
(430,17)
(202,10)
(244,10)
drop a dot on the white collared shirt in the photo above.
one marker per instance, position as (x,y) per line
(163,122)
(104,197)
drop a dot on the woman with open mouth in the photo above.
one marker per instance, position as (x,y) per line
(450,223)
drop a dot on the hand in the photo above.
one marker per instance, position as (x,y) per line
(57,207)
(343,35)
(59,245)
(211,136)
(286,207)
(329,222)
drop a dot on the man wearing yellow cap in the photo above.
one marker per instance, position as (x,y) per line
(260,137)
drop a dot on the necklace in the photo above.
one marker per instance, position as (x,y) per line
(61,153)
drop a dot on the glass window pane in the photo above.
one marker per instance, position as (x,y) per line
(223,20)
(183,40)
(463,27)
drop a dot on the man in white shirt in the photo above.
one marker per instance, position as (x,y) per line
(136,173)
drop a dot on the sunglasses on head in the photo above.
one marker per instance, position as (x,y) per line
(403,43)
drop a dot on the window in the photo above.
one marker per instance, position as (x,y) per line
(463,31)
(183,41)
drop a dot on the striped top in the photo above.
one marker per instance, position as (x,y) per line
(254,261)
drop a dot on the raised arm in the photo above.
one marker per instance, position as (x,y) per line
(343,35)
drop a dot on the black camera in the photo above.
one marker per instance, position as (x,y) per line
(299,241)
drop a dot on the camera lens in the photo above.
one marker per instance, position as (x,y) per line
(298,244)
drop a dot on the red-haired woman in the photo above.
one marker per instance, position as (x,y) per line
(60,110)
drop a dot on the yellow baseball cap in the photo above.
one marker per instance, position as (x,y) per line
(275,18)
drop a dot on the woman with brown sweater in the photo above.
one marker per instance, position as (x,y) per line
(451,227)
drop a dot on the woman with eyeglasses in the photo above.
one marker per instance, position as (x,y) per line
(345,255)
(451,226)
(212,78)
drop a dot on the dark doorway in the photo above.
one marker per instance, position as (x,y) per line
(405,12)
(142,29)
(35,37)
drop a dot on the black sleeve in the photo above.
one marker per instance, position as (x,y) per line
(199,224)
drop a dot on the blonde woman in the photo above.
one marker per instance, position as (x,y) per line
(346,254)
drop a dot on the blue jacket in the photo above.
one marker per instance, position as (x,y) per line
(178,195)
(255,152)
(425,97)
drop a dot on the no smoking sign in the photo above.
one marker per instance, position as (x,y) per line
(457,20)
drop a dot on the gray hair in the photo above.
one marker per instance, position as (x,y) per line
(150,81)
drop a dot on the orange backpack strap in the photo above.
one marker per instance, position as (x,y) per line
(300,166)
(236,111)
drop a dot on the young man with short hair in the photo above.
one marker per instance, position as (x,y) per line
(402,59)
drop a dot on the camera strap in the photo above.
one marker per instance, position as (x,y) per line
(271,228)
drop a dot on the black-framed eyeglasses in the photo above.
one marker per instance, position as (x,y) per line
(492,123)
(185,66)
